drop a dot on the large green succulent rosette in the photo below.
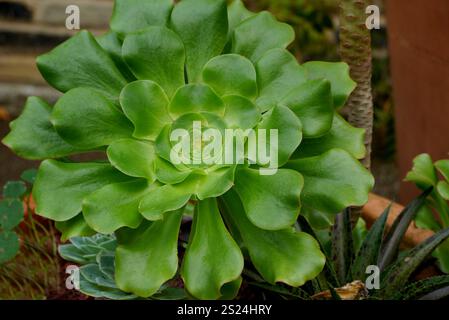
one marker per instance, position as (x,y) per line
(161,67)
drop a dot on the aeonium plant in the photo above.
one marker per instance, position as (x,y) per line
(165,73)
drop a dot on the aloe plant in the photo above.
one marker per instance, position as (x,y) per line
(164,67)
(425,174)
(380,248)
(350,262)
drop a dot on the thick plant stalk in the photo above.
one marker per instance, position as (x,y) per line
(355,50)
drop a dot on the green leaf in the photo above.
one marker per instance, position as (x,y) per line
(207,119)
(270,202)
(145,104)
(423,173)
(393,239)
(320,221)
(230,290)
(341,136)
(75,227)
(417,289)
(9,246)
(71,253)
(328,270)
(85,250)
(259,34)
(203,27)
(279,256)
(144,263)
(166,173)
(33,136)
(94,244)
(399,273)
(106,263)
(359,233)
(157,54)
(115,206)
(113,46)
(342,245)
(443,167)
(231,74)
(442,254)
(338,75)
(61,187)
(172,197)
(212,184)
(29,175)
(370,249)
(333,181)
(94,275)
(240,113)
(288,129)
(163,144)
(127,235)
(14,189)
(236,14)
(91,276)
(212,258)
(134,158)
(81,62)
(312,103)
(443,189)
(163,199)
(425,219)
(194,98)
(104,242)
(278,73)
(84,118)
(133,15)
(11,213)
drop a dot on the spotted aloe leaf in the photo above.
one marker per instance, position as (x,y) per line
(398,274)
(424,289)
(190,102)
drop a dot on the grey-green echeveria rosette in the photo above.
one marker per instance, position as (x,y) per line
(160,65)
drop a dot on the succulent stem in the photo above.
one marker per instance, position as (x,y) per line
(355,50)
